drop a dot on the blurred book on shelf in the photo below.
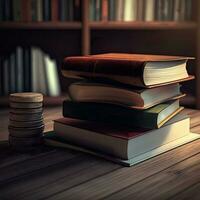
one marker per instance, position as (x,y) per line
(140,10)
(29,69)
(40,10)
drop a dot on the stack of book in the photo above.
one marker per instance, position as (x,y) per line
(125,108)
(29,69)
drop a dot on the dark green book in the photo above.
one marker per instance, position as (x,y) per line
(112,10)
(92,6)
(46,10)
(150,118)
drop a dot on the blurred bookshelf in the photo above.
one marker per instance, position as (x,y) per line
(81,27)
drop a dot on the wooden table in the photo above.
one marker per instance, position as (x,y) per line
(49,173)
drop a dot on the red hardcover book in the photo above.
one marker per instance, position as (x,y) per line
(54,10)
(104,16)
(133,69)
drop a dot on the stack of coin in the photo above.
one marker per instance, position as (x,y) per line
(25,120)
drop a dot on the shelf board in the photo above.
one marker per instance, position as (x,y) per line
(113,25)
(40,25)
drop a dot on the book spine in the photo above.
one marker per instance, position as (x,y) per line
(46,10)
(92,68)
(140,10)
(8,10)
(188,10)
(2,10)
(41,72)
(6,81)
(158,8)
(130,10)
(92,6)
(26,10)
(16,10)
(170,10)
(51,75)
(1,76)
(77,10)
(70,10)
(119,10)
(34,69)
(177,10)
(109,114)
(12,73)
(34,10)
(112,10)
(54,10)
(27,70)
(19,69)
(98,10)
(104,9)
(149,10)
(63,10)
(39,10)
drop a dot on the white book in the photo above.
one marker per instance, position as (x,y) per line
(149,10)
(119,142)
(52,76)
(34,70)
(130,10)
(41,73)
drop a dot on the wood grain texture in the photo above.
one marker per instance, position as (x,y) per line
(121,178)
(49,173)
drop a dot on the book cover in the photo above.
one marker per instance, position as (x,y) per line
(124,68)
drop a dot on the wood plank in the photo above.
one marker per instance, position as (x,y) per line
(64,175)
(122,178)
(164,184)
(13,171)
(40,25)
(192,193)
(10,157)
(156,25)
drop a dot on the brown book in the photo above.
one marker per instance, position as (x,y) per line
(54,10)
(133,69)
(104,16)
(26,10)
